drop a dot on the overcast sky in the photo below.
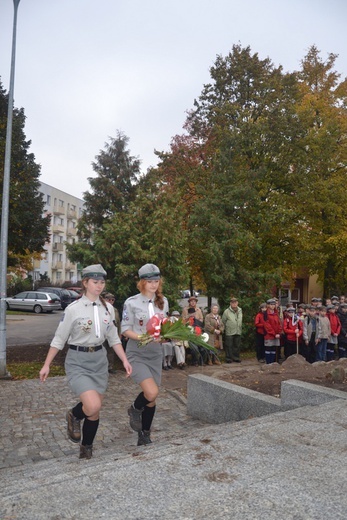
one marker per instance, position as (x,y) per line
(85,69)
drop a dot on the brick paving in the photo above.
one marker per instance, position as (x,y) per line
(33,426)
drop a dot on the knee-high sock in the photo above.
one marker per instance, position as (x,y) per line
(147,417)
(78,412)
(89,431)
(140,401)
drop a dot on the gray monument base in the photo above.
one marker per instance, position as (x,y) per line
(215,401)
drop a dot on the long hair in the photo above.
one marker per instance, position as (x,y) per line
(84,291)
(159,297)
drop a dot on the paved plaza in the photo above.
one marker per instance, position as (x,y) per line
(288,465)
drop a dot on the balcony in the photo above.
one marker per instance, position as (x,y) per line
(72,214)
(69,266)
(57,228)
(71,232)
(57,265)
(58,210)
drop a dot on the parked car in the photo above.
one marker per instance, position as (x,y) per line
(79,290)
(64,295)
(186,293)
(74,295)
(37,301)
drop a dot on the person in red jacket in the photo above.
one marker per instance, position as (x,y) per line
(273,329)
(335,326)
(260,333)
(292,327)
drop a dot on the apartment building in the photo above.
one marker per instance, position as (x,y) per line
(65,210)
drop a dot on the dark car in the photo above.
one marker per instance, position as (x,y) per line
(64,295)
(79,290)
(37,301)
(74,295)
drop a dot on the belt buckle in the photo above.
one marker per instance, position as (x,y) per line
(91,349)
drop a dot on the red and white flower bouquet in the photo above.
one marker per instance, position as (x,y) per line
(163,330)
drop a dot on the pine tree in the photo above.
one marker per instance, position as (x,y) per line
(28,229)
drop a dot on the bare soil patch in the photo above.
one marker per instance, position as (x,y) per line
(267,379)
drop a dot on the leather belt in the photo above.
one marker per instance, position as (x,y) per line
(85,349)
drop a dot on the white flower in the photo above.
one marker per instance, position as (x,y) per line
(205,337)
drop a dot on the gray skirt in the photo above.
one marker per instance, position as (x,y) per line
(87,371)
(146,361)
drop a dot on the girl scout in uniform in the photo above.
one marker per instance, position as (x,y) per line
(85,325)
(146,361)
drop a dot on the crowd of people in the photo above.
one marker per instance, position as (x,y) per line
(318,332)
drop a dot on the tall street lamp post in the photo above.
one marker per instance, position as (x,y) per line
(5,205)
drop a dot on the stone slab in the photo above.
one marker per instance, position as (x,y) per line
(298,393)
(215,401)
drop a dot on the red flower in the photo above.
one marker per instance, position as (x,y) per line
(153,326)
(197,331)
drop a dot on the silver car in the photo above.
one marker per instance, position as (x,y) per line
(36,301)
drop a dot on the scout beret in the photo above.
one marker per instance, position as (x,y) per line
(290,309)
(149,272)
(96,271)
(272,301)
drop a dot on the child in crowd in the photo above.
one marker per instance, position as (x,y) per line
(260,333)
(323,332)
(335,326)
(292,327)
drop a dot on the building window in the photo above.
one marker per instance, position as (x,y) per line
(48,200)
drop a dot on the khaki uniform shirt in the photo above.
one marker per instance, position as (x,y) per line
(136,315)
(77,326)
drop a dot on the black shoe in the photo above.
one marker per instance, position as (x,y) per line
(170,367)
(228,361)
(165,368)
(144,438)
(86,452)
(73,427)
(135,418)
